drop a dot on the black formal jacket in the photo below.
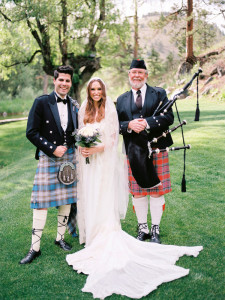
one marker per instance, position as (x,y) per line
(158,124)
(43,126)
(137,144)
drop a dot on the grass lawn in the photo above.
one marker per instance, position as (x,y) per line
(191,219)
(14,108)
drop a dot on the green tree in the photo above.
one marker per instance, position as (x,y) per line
(154,62)
(205,33)
(216,7)
(169,63)
(115,47)
(23,79)
(60,32)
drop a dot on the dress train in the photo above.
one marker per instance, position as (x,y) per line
(118,263)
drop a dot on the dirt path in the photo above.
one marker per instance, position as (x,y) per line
(11,120)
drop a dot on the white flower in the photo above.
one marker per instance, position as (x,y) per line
(87,131)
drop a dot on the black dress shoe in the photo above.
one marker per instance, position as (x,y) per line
(62,244)
(31,255)
(142,236)
(154,235)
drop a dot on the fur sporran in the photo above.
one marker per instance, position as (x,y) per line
(67,173)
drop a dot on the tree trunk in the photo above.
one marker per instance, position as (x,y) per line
(205,57)
(45,83)
(90,65)
(85,64)
(135,31)
(190,58)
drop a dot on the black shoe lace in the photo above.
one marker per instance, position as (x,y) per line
(153,230)
(141,226)
(62,224)
(34,232)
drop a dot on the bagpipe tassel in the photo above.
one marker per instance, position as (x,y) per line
(197,113)
(183,184)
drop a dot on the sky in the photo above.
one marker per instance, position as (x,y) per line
(166,5)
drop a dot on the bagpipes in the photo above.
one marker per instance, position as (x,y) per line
(155,140)
(164,109)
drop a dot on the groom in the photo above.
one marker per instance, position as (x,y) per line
(51,121)
(138,126)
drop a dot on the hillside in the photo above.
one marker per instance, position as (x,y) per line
(160,40)
(211,80)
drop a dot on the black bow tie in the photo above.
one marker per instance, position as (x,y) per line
(62,100)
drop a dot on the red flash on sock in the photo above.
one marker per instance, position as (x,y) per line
(164,206)
(133,209)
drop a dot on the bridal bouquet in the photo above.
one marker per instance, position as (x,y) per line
(87,137)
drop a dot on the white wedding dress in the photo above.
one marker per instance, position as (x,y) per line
(114,261)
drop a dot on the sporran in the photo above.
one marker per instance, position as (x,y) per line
(67,173)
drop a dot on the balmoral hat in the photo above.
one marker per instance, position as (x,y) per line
(138,64)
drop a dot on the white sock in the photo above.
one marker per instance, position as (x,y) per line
(39,220)
(141,209)
(63,215)
(156,209)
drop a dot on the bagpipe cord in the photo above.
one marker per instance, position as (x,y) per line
(183,183)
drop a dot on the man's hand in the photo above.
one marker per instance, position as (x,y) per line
(137,125)
(60,151)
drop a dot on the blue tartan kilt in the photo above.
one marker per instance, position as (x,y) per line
(47,190)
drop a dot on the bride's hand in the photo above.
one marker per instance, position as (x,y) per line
(86,152)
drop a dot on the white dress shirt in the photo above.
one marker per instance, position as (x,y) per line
(63,112)
(143,92)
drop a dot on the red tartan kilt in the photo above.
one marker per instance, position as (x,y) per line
(161,164)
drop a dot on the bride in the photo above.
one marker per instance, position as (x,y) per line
(114,261)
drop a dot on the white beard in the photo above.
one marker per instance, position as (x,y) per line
(137,85)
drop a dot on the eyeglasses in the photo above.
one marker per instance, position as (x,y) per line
(133,72)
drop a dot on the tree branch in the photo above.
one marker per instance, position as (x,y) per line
(204,57)
(34,32)
(5,17)
(63,46)
(223,13)
(102,10)
(24,62)
(33,56)
(45,40)
(88,5)
(94,37)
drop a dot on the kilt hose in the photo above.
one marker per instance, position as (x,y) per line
(47,190)
(161,164)
(72,222)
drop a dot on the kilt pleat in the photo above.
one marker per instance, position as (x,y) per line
(161,164)
(47,190)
